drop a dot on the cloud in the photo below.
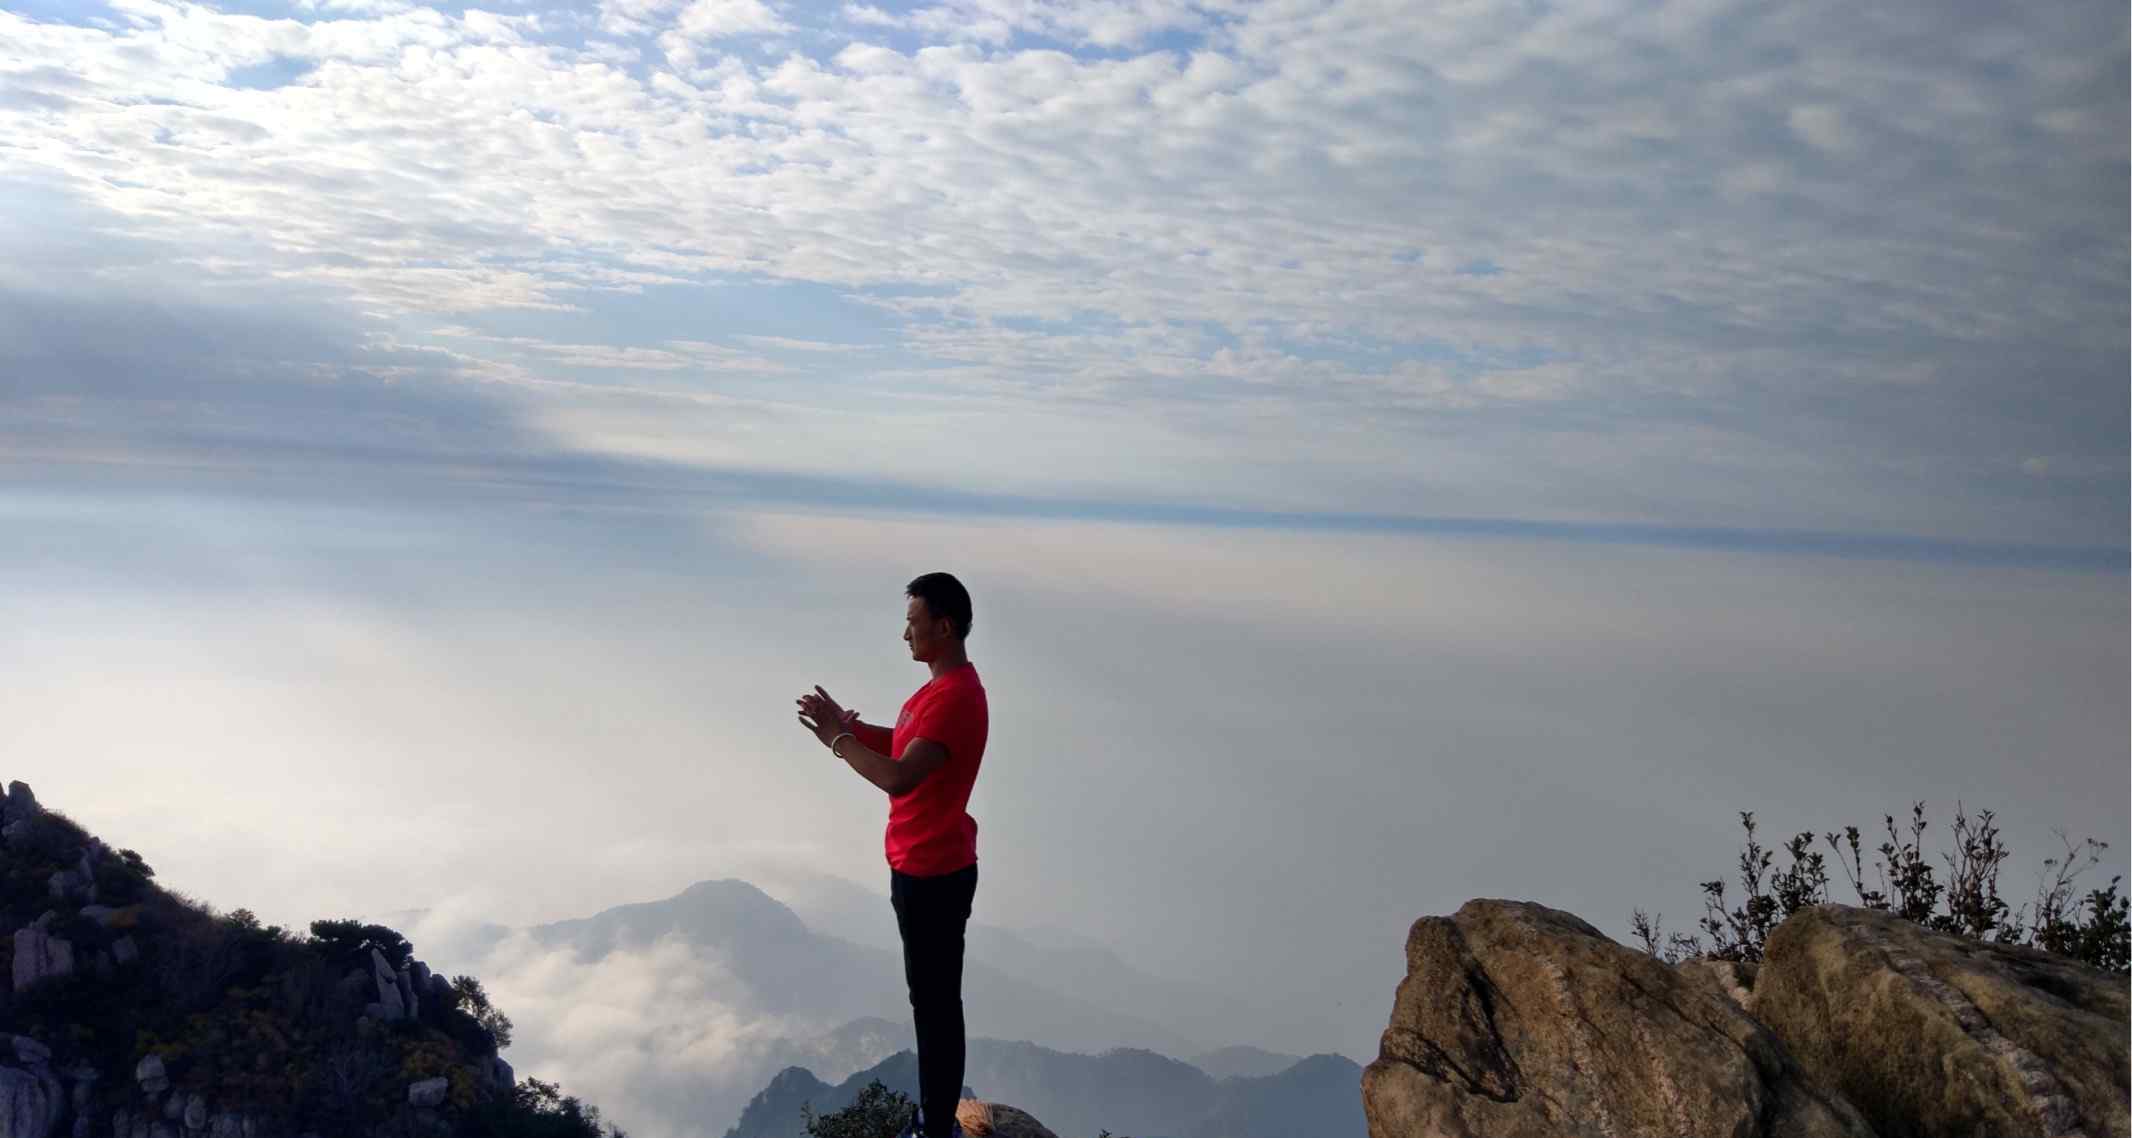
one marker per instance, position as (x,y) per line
(1748,240)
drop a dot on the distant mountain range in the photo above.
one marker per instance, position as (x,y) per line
(1107,1029)
(1125,1090)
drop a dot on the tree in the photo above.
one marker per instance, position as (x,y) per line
(475,1002)
(877,1113)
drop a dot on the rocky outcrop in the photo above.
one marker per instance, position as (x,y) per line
(1932,1034)
(17,804)
(32,1098)
(138,946)
(1520,1021)
(980,1119)
(40,956)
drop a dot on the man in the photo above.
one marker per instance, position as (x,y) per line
(926,764)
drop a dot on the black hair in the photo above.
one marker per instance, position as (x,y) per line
(943,596)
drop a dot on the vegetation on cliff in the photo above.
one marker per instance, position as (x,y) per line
(2091,928)
(257,1019)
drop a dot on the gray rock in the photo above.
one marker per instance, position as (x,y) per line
(83,1127)
(162,1129)
(418,975)
(101,914)
(40,956)
(124,951)
(85,1079)
(174,1106)
(29,1052)
(30,1103)
(388,986)
(404,983)
(152,1078)
(501,1072)
(440,989)
(196,1111)
(428,1092)
(227,1124)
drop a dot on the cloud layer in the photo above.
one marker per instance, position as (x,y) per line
(1691,262)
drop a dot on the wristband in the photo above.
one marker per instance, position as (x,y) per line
(840,738)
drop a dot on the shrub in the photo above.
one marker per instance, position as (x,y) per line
(2095,931)
(535,1109)
(877,1113)
(474,1002)
(346,940)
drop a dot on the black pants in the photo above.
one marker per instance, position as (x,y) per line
(931,913)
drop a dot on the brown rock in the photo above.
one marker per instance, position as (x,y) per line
(1732,979)
(1520,1021)
(979,1119)
(1932,1034)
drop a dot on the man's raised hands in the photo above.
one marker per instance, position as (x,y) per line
(824,716)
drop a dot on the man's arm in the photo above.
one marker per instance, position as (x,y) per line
(897,779)
(880,740)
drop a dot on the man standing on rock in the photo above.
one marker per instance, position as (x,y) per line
(927,765)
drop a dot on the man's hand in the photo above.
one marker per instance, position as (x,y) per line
(823,716)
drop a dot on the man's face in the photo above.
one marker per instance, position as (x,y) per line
(920,630)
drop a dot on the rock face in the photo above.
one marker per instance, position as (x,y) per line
(1938,1035)
(39,956)
(1520,1021)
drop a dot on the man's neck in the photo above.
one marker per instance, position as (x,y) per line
(949,661)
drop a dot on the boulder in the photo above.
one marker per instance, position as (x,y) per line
(403,981)
(150,1075)
(40,956)
(84,1078)
(979,1119)
(101,914)
(196,1111)
(27,1051)
(1731,979)
(18,804)
(30,1103)
(428,1092)
(1932,1034)
(227,1124)
(124,951)
(388,987)
(1519,1021)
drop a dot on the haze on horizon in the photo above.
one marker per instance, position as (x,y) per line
(1399,453)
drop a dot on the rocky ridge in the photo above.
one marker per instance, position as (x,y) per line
(283,1040)
(1519,1021)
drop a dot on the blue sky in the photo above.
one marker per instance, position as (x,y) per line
(1601,417)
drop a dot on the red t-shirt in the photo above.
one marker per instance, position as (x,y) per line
(929,830)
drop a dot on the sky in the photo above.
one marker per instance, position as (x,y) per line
(1399,452)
